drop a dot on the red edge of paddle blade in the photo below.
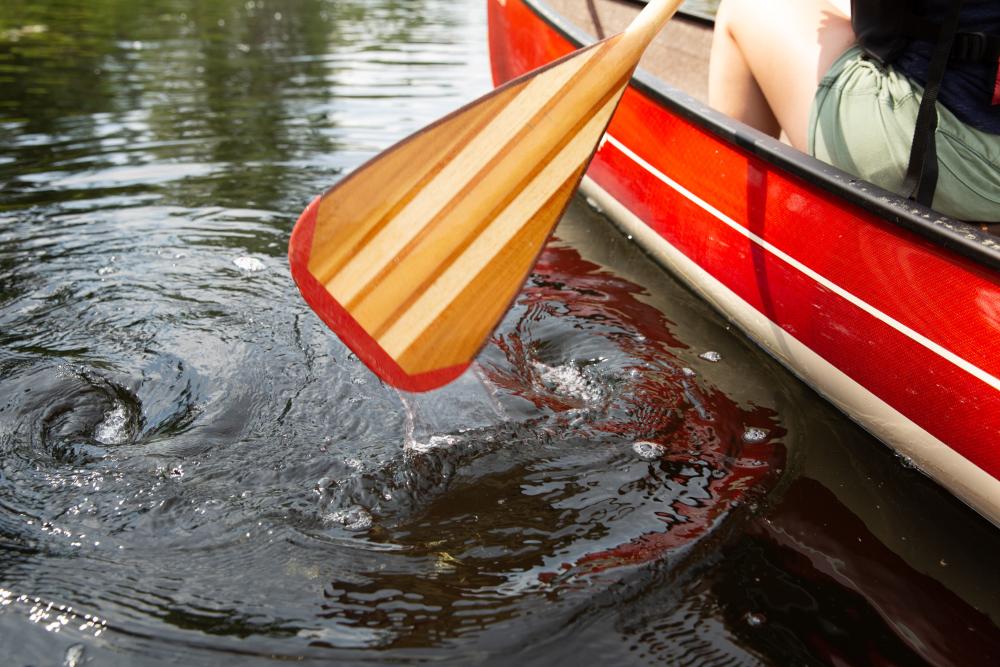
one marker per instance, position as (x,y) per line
(344,325)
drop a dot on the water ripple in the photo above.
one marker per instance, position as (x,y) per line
(193,469)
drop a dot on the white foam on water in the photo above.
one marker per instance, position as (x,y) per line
(434,442)
(111,430)
(251,264)
(567,380)
(711,355)
(754,434)
(353,518)
(648,451)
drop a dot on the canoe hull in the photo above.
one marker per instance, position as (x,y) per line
(896,329)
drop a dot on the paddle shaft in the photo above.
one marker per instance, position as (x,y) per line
(627,47)
(650,21)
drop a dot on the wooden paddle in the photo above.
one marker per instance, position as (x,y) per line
(413,259)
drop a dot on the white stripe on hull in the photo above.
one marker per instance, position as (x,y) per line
(963,478)
(915,336)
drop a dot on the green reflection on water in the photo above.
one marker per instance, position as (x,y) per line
(71,56)
(239,88)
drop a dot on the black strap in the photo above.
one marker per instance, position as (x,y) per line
(922,171)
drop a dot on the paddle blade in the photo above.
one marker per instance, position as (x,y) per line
(414,258)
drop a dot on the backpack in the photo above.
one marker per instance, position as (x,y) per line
(884,28)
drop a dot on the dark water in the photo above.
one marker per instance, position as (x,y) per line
(194,471)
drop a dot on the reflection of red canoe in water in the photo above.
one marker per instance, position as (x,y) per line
(702,464)
(875,608)
(885,308)
(813,578)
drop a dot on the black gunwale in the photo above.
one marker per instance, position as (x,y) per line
(960,237)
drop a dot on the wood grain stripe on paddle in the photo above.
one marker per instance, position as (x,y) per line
(350,212)
(513,239)
(402,282)
(485,301)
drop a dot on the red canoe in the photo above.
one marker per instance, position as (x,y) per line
(889,310)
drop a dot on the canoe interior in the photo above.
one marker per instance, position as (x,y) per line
(679,56)
(679,59)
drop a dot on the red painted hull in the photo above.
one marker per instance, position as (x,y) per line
(898,330)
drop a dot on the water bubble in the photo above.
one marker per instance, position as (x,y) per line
(755,619)
(648,451)
(754,434)
(213,505)
(251,264)
(74,656)
(711,355)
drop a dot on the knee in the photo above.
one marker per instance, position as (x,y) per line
(730,12)
(722,15)
(735,17)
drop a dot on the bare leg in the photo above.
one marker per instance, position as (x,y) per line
(768,57)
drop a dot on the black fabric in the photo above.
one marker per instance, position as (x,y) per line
(922,171)
(885,27)
(928,42)
(968,86)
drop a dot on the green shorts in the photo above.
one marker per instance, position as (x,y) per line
(862,121)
